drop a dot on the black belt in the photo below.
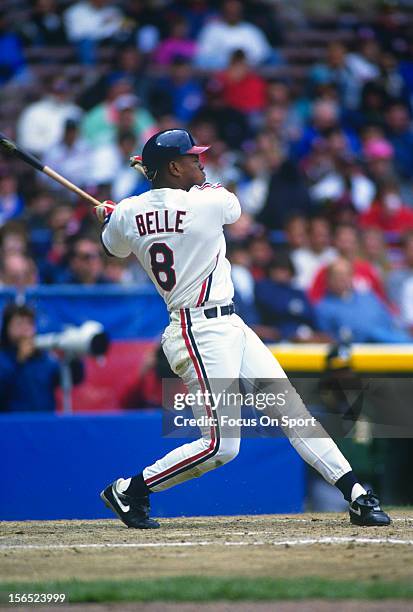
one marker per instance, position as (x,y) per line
(212,313)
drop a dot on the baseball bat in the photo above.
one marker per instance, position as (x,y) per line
(11,147)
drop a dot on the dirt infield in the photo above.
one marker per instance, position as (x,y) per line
(277,546)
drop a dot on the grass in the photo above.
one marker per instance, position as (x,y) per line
(197,588)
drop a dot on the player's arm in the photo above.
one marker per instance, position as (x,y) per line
(103,213)
(112,237)
(231,208)
(218,200)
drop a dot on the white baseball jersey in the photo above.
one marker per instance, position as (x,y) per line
(178,239)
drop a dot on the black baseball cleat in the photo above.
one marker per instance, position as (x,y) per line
(133,511)
(365,511)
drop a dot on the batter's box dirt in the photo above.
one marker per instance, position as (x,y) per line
(323,545)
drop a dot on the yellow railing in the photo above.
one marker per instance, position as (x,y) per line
(364,357)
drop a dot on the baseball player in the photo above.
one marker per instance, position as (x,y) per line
(176,232)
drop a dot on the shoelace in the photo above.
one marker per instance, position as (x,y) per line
(371,498)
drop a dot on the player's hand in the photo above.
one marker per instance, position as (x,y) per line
(104,210)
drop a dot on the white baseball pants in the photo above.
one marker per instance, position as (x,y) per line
(204,351)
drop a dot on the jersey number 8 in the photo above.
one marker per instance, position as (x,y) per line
(162,261)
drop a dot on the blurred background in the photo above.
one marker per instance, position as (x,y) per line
(308,108)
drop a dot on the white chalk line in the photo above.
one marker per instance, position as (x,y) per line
(293,542)
(326,520)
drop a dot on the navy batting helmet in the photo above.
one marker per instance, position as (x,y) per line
(163,147)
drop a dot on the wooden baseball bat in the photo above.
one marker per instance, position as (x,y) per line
(11,147)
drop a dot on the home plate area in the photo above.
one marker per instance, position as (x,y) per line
(276,546)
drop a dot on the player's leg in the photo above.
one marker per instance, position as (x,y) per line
(313,443)
(207,356)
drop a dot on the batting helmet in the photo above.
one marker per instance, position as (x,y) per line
(163,147)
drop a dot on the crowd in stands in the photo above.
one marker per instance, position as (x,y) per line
(310,120)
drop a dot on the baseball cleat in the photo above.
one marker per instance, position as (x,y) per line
(365,511)
(133,511)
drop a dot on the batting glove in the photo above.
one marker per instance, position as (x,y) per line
(104,210)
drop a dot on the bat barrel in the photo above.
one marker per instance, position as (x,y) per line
(10,147)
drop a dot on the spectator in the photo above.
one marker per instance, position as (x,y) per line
(325,117)
(372,106)
(28,376)
(45,28)
(131,66)
(90,22)
(179,92)
(281,305)
(292,94)
(244,292)
(220,38)
(287,194)
(241,230)
(388,212)
(336,70)
(379,156)
(120,109)
(266,16)
(176,44)
(391,24)
(349,315)
(13,239)
(85,263)
(11,202)
(151,19)
(12,61)
(252,189)
(242,88)
(260,253)
(219,162)
(197,13)
(18,271)
(344,185)
(110,165)
(270,148)
(346,242)
(308,260)
(231,125)
(70,157)
(318,164)
(363,63)
(242,278)
(296,231)
(406,304)
(36,219)
(41,124)
(400,135)
(116,270)
(281,121)
(63,225)
(398,279)
(391,77)
(374,250)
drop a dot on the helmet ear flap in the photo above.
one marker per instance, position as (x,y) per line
(136,162)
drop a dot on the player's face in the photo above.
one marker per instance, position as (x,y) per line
(191,171)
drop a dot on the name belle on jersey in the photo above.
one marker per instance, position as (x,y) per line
(160,222)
